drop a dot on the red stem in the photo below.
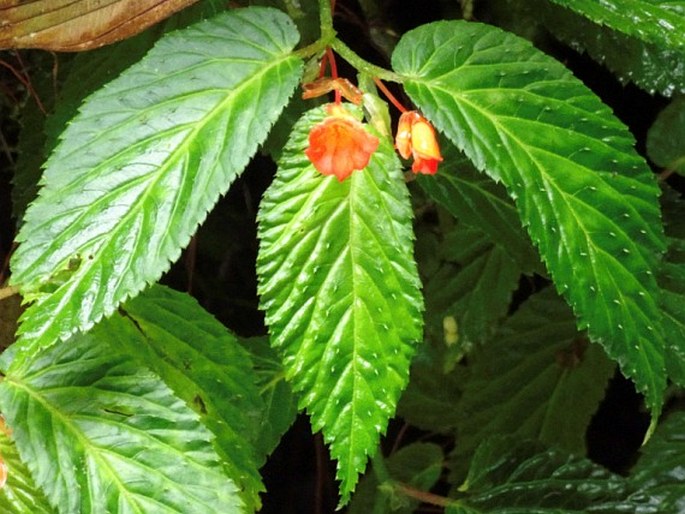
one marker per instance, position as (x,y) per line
(334,73)
(389,95)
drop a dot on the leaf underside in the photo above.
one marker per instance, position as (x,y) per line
(588,200)
(143,162)
(99,433)
(340,290)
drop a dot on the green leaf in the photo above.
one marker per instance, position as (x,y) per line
(658,474)
(658,21)
(99,433)
(431,398)
(523,477)
(20,494)
(478,201)
(280,402)
(206,367)
(146,158)
(587,199)
(650,65)
(341,293)
(538,378)
(666,137)
(672,281)
(474,287)
(418,466)
(88,72)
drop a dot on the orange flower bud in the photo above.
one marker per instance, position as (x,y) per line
(340,144)
(416,137)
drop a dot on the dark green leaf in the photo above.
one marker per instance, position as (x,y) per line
(666,137)
(672,282)
(523,477)
(658,475)
(145,159)
(20,494)
(418,466)
(472,289)
(206,367)
(475,199)
(431,398)
(279,400)
(99,433)
(658,21)
(341,293)
(538,378)
(587,199)
(651,66)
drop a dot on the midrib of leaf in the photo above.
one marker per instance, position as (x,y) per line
(174,158)
(548,180)
(94,451)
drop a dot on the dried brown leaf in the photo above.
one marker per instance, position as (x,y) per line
(75,25)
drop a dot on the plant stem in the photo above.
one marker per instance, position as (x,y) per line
(363,65)
(424,496)
(325,18)
(389,95)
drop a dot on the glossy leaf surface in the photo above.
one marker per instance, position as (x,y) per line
(145,159)
(100,433)
(205,366)
(516,477)
(652,66)
(657,21)
(588,200)
(341,293)
(20,494)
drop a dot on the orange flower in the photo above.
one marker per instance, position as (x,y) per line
(340,144)
(416,138)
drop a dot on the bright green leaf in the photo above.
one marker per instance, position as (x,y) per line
(538,378)
(475,199)
(341,293)
(145,159)
(657,21)
(523,477)
(19,495)
(587,199)
(418,466)
(99,433)
(666,137)
(206,367)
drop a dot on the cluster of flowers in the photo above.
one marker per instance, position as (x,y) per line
(340,144)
